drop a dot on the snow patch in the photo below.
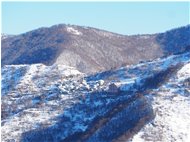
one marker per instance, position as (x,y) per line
(184,72)
(73,31)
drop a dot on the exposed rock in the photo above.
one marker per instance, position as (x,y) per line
(114,88)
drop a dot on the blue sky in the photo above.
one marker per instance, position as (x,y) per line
(120,17)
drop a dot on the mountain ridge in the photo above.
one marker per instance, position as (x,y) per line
(90,49)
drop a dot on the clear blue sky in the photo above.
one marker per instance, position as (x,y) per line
(120,17)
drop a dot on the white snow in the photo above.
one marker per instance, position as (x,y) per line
(171,107)
(73,31)
(126,84)
(172,112)
(80,127)
(35,86)
(184,72)
(145,36)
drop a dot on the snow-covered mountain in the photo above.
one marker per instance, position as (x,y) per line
(148,101)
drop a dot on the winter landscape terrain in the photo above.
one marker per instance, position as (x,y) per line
(79,84)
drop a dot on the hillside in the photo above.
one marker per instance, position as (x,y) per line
(69,83)
(59,103)
(88,49)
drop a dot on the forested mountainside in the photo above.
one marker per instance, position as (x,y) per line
(88,49)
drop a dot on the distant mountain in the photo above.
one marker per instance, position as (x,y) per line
(89,49)
(60,104)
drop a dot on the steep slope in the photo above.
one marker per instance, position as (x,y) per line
(58,103)
(175,41)
(171,105)
(89,49)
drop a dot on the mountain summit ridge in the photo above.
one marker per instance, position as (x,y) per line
(90,49)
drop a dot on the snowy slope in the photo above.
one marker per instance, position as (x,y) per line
(29,93)
(172,110)
(58,103)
